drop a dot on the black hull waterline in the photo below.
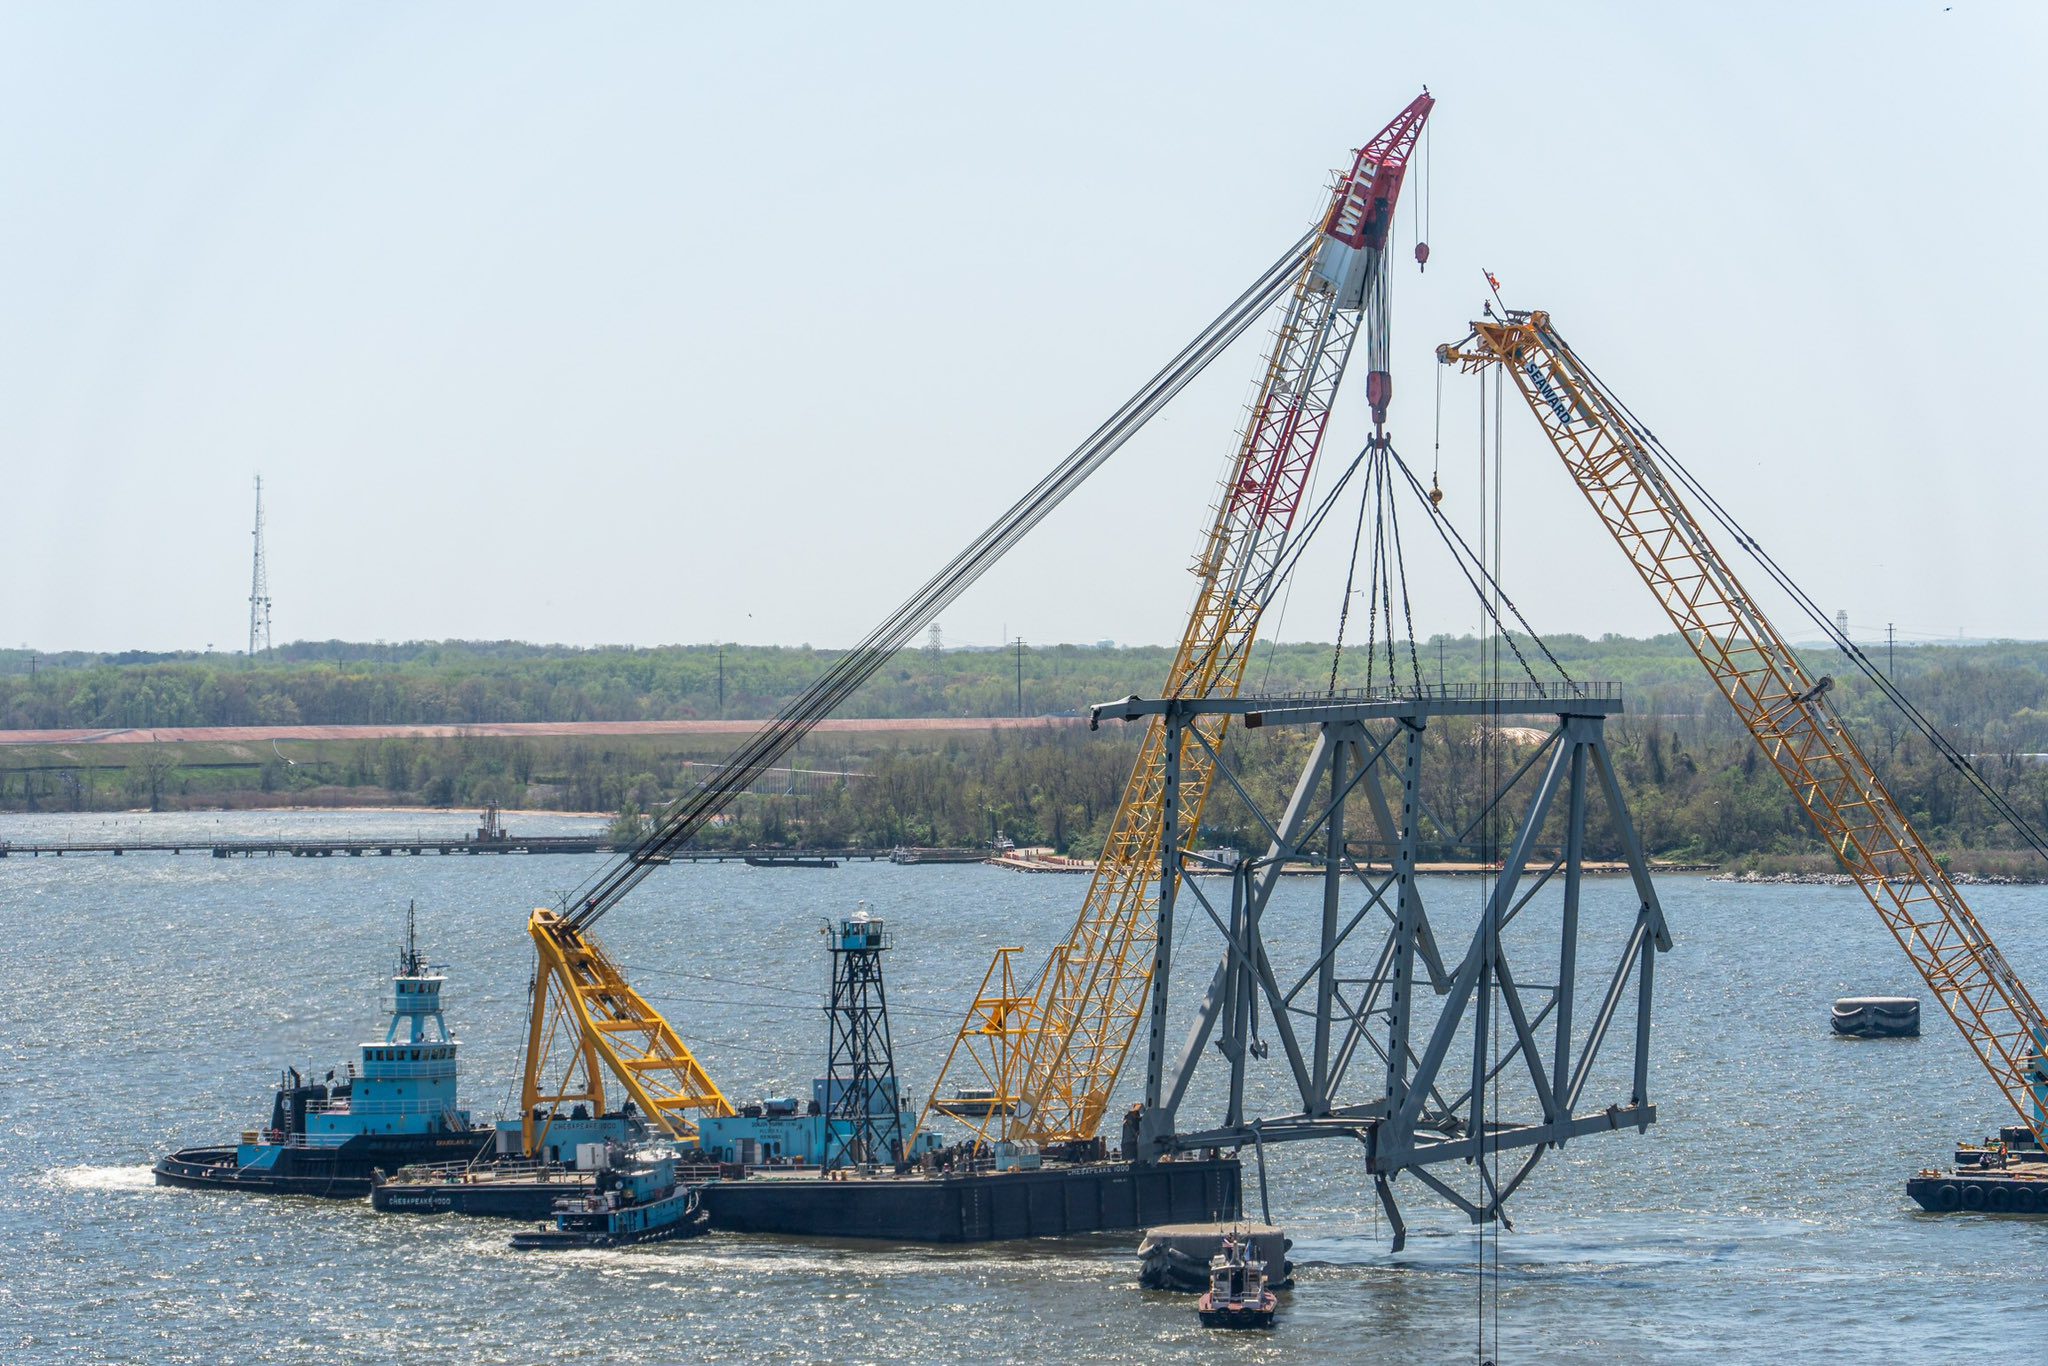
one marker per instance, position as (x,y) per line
(555,1240)
(343,1173)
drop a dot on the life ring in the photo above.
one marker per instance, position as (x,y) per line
(1973,1197)
(1948,1197)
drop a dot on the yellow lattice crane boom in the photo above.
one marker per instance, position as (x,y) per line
(1612,460)
(1057,1068)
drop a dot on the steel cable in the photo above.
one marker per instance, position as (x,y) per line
(1811,609)
(685,817)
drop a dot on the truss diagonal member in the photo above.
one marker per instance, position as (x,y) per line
(1405,833)
(1477,957)
(1285,838)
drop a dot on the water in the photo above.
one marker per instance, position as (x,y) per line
(148,1000)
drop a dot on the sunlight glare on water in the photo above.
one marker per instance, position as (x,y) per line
(150,1000)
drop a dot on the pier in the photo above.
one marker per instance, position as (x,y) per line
(387,848)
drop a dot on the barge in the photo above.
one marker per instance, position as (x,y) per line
(1047,1201)
(2007,1174)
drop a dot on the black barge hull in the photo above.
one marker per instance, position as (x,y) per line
(1981,1191)
(343,1173)
(1048,1202)
(481,1199)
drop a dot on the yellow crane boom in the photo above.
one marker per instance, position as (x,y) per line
(1611,460)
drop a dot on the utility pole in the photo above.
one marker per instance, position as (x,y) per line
(1890,639)
(721,680)
(1020,675)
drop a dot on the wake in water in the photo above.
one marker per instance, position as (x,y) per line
(135,1178)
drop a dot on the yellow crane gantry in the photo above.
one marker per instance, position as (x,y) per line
(1612,459)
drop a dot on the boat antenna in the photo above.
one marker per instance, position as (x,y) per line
(410,963)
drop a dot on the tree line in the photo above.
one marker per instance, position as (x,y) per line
(1697,785)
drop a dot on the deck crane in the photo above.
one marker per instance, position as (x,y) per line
(586,1022)
(1615,461)
(1052,1059)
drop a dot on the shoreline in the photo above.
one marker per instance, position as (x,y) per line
(353,809)
(1844,880)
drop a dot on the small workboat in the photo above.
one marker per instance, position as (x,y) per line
(1237,1296)
(636,1201)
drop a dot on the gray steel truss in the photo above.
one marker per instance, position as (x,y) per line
(1350,1005)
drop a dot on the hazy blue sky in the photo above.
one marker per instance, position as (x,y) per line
(674,323)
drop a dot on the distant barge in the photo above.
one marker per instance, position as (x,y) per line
(2004,1175)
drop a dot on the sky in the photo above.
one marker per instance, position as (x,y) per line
(672,323)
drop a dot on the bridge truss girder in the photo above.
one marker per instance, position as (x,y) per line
(1345,1013)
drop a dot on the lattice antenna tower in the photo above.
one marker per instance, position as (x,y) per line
(259,586)
(863,1109)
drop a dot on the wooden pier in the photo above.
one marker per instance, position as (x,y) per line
(390,848)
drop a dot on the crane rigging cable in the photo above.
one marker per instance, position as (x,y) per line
(585,1019)
(685,817)
(1622,472)
(1836,636)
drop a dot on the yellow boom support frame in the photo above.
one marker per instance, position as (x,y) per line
(1787,711)
(586,1021)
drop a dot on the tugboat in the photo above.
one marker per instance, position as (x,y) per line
(638,1201)
(332,1138)
(1237,1296)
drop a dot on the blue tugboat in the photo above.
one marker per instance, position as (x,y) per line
(331,1138)
(637,1201)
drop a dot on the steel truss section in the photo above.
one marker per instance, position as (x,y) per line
(1368,1054)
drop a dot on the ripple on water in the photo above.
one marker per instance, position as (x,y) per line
(1765,1203)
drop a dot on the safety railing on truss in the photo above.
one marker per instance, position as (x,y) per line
(1555,690)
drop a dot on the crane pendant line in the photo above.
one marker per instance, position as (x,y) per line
(1785,709)
(579,992)
(1096,989)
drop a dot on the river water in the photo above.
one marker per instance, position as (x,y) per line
(149,1000)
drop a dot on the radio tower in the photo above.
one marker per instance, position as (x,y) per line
(259,586)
